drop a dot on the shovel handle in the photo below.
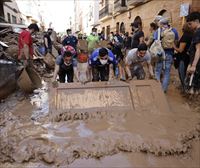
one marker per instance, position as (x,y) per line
(191,79)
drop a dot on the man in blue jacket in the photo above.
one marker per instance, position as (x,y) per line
(103,64)
(70,40)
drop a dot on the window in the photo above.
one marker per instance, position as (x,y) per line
(14,19)
(9,19)
(122,28)
(138,20)
(21,21)
(103,31)
(117,27)
(123,3)
(101,2)
(107,31)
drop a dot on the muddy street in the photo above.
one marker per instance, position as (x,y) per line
(107,84)
(126,139)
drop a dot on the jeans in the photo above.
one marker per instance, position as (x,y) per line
(166,70)
(138,71)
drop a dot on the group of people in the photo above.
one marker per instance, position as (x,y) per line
(125,56)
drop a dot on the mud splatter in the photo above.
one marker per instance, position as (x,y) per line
(105,143)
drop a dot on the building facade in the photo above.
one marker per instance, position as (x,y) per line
(30,11)
(12,13)
(117,15)
(2,15)
(86,15)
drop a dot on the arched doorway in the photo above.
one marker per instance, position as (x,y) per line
(107,32)
(117,27)
(138,20)
(122,28)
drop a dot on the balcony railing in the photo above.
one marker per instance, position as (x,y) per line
(135,2)
(120,6)
(105,12)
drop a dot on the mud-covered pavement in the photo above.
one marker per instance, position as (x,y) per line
(141,139)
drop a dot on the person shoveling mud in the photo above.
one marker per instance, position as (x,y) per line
(29,79)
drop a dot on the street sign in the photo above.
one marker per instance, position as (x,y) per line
(184,9)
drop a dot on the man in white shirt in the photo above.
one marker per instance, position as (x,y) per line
(135,61)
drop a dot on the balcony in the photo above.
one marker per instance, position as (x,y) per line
(120,6)
(133,3)
(105,13)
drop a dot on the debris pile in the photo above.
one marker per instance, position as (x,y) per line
(43,64)
(9,44)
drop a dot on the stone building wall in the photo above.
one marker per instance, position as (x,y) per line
(147,12)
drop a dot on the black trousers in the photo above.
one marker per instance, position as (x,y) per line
(69,71)
(196,80)
(100,73)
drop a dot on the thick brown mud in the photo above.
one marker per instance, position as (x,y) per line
(122,139)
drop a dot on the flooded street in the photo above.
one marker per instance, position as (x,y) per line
(145,138)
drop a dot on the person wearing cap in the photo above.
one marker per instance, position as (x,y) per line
(48,41)
(163,23)
(138,35)
(168,37)
(135,61)
(157,19)
(25,44)
(70,39)
(92,40)
(103,63)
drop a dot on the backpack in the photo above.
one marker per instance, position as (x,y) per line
(168,38)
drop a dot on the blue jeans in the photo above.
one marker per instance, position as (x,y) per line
(166,70)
